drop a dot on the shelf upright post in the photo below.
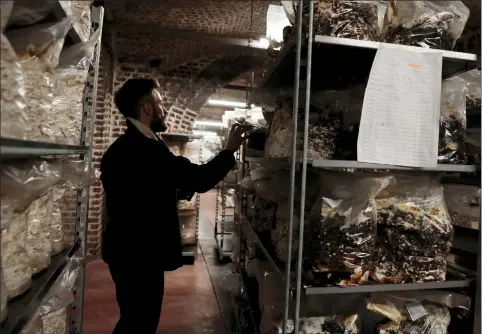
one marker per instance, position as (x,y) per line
(478,289)
(299,32)
(83,195)
(223,217)
(304,168)
(198,201)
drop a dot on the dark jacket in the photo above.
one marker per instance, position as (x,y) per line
(141,177)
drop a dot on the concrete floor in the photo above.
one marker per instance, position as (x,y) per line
(190,304)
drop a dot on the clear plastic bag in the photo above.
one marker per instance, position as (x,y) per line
(279,235)
(473,88)
(33,326)
(25,181)
(188,205)
(13,106)
(28,12)
(347,19)
(188,224)
(463,204)
(262,214)
(324,130)
(5,12)
(15,262)
(56,231)
(39,248)
(330,324)
(81,15)
(419,312)
(43,41)
(343,228)
(65,116)
(453,123)
(414,231)
(428,24)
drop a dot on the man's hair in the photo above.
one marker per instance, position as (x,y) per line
(131,93)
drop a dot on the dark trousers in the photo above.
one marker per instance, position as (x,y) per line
(139,291)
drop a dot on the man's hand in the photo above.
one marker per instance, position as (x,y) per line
(237,136)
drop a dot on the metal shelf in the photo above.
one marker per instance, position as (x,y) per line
(368,288)
(337,65)
(21,308)
(16,148)
(189,251)
(251,235)
(175,136)
(362,165)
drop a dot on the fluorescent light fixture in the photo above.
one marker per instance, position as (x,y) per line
(225,103)
(205,133)
(208,123)
(262,43)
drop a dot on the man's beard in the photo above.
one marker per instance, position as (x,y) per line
(158,125)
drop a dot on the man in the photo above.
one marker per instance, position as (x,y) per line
(141,177)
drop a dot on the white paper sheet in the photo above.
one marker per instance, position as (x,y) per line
(401,109)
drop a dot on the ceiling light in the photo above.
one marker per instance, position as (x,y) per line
(208,123)
(225,103)
(262,43)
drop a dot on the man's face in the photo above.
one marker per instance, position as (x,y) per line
(158,122)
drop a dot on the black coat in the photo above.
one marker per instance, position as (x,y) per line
(141,177)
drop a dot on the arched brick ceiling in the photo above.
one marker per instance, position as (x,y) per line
(234,18)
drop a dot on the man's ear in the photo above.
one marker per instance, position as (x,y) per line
(147,108)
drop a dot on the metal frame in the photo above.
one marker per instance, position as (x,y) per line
(294,289)
(83,195)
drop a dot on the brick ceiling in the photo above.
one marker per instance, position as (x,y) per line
(234,18)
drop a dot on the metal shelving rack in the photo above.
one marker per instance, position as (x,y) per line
(189,252)
(23,307)
(223,223)
(339,54)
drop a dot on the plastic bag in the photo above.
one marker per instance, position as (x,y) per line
(51,316)
(56,232)
(279,235)
(342,228)
(347,19)
(428,24)
(188,224)
(232,283)
(463,204)
(330,324)
(3,297)
(43,41)
(420,312)
(81,15)
(473,88)
(188,205)
(39,248)
(28,12)
(5,12)
(25,181)
(453,123)
(324,130)
(33,326)
(414,231)
(13,106)
(15,262)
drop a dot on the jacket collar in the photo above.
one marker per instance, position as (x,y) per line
(144,130)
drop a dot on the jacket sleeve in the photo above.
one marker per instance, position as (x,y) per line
(201,178)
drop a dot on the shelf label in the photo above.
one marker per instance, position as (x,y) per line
(401,109)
